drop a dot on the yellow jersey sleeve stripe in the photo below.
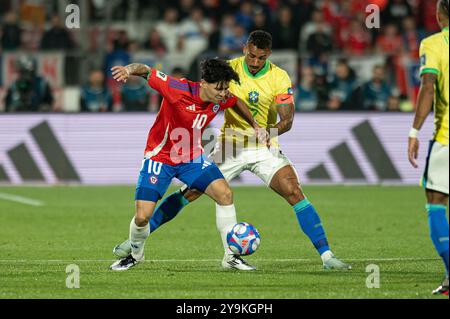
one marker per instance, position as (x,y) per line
(430,70)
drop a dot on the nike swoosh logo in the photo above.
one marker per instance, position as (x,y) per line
(282,100)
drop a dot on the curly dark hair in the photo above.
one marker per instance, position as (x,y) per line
(261,39)
(444,7)
(218,71)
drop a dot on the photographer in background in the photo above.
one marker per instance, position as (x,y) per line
(30,92)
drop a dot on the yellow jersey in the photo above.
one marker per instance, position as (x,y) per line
(260,93)
(434,59)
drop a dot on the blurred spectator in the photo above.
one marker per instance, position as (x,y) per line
(319,42)
(244,16)
(155,43)
(411,37)
(233,38)
(322,88)
(320,64)
(286,30)
(97,10)
(32,37)
(261,21)
(118,55)
(390,42)
(133,46)
(57,37)
(227,34)
(211,9)
(341,87)
(306,97)
(185,8)
(135,95)
(356,39)
(394,103)
(168,28)
(329,9)
(302,10)
(95,96)
(121,41)
(396,11)
(194,33)
(427,16)
(10,32)
(30,92)
(317,23)
(376,92)
(341,23)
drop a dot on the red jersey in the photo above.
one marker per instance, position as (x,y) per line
(176,135)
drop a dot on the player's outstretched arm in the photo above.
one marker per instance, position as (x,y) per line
(242,110)
(424,105)
(123,73)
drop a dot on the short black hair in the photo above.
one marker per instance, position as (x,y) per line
(444,7)
(261,39)
(218,71)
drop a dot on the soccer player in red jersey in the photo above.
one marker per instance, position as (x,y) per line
(174,146)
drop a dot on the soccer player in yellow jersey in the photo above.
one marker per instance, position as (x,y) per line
(267,91)
(434,89)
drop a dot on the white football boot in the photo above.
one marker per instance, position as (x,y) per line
(236,262)
(331,262)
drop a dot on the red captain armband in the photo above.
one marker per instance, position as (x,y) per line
(284,99)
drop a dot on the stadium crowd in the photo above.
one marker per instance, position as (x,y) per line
(326,35)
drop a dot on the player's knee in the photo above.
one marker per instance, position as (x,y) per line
(226,197)
(192,195)
(437,198)
(142,217)
(294,194)
(141,220)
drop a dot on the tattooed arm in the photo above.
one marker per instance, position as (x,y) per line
(425,99)
(286,113)
(123,73)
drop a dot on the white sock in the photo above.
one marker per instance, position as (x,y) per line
(225,220)
(138,235)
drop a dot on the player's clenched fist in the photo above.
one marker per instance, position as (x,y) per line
(120,73)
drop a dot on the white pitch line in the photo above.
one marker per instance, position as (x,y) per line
(21,200)
(206,260)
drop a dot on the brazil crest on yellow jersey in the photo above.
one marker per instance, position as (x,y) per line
(434,59)
(260,93)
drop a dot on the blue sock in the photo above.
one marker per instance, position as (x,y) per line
(310,223)
(167,210)
(439,230)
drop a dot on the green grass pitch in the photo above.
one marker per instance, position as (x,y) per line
(385,226)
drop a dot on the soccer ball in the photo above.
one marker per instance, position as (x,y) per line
(243,239)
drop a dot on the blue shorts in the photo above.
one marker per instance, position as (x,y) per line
(155,177)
